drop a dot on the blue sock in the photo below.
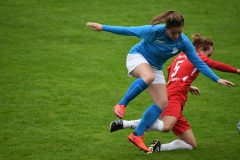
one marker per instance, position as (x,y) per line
(133,91)
(149,117)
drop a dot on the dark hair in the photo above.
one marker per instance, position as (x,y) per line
(171,18)
(199,41)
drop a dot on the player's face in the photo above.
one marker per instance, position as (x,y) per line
(209,52)
(174,32)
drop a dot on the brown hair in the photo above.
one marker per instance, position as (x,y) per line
(171,18)
(199,41)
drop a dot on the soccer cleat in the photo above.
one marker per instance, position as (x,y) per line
(138,141)
(116,125)
(155,146)
(119,110)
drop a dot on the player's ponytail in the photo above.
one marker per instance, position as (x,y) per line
(171,18)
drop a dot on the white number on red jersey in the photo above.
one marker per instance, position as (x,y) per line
(176,68)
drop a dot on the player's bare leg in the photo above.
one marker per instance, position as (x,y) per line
(189,138)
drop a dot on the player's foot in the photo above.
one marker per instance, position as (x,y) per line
(138,141)
(119,110)
(116,125)
(155,146)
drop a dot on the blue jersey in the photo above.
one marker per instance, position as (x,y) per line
(157,47)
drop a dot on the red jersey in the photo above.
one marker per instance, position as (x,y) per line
(181,73)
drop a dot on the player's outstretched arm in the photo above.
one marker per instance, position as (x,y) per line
(95,26)
(225,82)
(194,90)
(222,66)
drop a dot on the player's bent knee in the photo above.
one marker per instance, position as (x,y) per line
(149,78)
(164,104)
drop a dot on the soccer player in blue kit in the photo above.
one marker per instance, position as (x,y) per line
(145,62)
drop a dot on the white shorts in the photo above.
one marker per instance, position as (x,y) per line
(133,60)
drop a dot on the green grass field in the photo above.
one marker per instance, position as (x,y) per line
(60,81)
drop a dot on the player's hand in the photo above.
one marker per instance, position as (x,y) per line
(194,90)
(225,82)
(238,71)
(95,26)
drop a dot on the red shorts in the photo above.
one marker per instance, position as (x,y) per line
(174,108)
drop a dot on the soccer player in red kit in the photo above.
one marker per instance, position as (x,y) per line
(181,73)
